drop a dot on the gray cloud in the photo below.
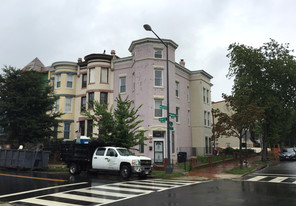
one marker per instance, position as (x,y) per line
(65,30)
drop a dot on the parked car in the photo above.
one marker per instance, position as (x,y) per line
(288,154)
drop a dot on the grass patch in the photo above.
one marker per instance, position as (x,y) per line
(239,171)
(163,175)
(58,168)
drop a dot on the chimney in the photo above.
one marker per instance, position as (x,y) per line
(79,60)
(182,62)
(113,52)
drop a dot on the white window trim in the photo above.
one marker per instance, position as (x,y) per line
(162,76)
(92,75)
(56,83)
(161,99)
(155,51)
(68,111)
(72,80)
(120,77)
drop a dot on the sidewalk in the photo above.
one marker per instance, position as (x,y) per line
(216,171)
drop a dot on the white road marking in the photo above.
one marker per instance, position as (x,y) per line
(120,191)
(42,189)
(257,178)
(278,179)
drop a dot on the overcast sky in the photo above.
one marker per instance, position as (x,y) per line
(63,30)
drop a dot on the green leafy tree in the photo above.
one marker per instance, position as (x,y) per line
(236,124)
(26,105)
(120,126)
(266,77)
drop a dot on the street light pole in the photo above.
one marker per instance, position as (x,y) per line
(168,169)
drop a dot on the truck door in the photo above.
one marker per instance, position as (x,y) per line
(98,161)
(111,157)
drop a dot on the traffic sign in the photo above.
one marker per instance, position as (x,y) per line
(162,120)
(172,115)
(163,107)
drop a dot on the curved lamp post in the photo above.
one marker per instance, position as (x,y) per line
(168,169)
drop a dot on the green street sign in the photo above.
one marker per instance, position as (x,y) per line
(172,115)
(163,107)
(171,124)
(162,120)
(171,128)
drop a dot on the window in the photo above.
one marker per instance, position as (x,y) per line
(188,117)
(158,75)
(204,95)
(104,98)
(91,97)
(89,128)
(207,146)
(69,81)
(57,105)
(158,53)
(92,75)
(84,80)
(157,110)
(68,105)
(104,75)
(158,134)
(122,84)
(173,142)
(141,148)
(83,103)
(177,89)
(134,81)
(82,127)
(100,151)
(208,118)
(67,130)
(207,96)
(188,94)
(205,118)
(58,81)
(111,153)
(177,114)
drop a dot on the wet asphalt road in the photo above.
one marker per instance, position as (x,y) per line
(217,192)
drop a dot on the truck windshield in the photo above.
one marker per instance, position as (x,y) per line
(124,152)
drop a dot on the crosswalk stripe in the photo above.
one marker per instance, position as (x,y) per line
(257,178)
(142,186)
(99,192)
(278,179)
(127,189)
(84,198)
(105,194)
(43,202)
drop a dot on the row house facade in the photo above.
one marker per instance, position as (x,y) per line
(142,78)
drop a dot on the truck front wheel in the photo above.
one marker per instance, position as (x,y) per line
(74,169)
(125,171)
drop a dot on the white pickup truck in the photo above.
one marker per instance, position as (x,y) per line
(107,158)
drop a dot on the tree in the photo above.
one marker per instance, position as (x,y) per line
(26,105)
(238,123)
(121,126)
(266,77)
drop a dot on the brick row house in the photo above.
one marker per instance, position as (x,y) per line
(142,78)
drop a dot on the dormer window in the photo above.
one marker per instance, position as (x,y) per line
(158,53)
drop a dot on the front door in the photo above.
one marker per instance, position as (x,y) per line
(158,152)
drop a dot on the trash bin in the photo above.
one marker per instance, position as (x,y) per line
(182,157)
